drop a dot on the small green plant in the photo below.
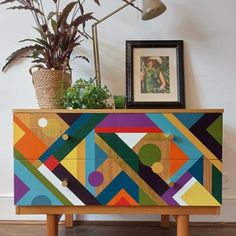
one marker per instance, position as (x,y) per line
(85,94)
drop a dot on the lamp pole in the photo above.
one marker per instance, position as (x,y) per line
(152,9)
(95,40)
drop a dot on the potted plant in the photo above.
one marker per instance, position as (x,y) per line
(86,94)
(60,31)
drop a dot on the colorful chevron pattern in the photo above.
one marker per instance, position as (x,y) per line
(118,159)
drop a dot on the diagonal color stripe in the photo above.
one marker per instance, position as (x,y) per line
(77,132)
(168,195)
(90,160)
(122,181)
(36,188)
(206,152)
(180,140)
(129,171)
(183,170)
(132,159)
(41,178)
(200,131)
(178,196)
(75,186)
(57,183)
(122,149)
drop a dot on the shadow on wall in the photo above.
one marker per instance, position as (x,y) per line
(229,160)
(187,25)
(229,137)
(192,94)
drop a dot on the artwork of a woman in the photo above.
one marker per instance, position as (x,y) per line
(152,76)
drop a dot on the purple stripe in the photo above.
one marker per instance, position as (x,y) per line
(168,195)
(75,186)
(126,120)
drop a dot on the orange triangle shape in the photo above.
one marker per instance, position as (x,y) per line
(177,158)
(122,198)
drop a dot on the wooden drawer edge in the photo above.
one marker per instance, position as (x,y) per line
(164,210)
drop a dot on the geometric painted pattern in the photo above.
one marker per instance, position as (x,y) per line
(117,159)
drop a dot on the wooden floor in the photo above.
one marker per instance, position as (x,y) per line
(117,229)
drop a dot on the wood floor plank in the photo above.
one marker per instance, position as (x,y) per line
(126,229)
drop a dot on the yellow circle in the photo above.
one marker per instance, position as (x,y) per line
(157,167)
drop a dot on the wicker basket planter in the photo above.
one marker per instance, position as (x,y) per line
(50,86)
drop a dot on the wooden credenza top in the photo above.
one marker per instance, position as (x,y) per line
(119,110)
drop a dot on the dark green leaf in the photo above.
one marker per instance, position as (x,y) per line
(65,13)
(81,19)
(97,1)
(54,25)
(40,32)
(84,58)
(7,1)
(44,43)
(38,61)
(25,8)
(19,53)
(24,3)
(81,57)
(44,27)
(28,40)
(51,14)
(41,42)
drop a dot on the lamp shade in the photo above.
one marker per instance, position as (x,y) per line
(152,9)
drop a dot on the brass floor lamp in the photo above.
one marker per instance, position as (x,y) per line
(150,10)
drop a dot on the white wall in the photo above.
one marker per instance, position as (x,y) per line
(208,29)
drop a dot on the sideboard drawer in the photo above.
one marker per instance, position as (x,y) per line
(127,158)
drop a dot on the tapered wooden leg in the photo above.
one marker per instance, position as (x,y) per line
(182,225)
(69,220)
(52,225)
(165,221)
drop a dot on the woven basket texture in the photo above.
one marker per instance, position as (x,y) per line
(50,87)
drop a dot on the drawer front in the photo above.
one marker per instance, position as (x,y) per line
(118,159)
(88,182)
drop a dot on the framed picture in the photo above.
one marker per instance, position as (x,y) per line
(155,74)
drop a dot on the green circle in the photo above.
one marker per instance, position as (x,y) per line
(149,154)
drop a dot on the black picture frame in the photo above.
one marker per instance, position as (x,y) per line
(147,63)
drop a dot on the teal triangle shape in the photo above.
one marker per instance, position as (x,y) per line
(188,119)
(197,170)
(100,156)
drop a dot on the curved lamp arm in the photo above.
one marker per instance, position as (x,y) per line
(156,8)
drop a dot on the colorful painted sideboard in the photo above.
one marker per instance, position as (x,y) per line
(112,158)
